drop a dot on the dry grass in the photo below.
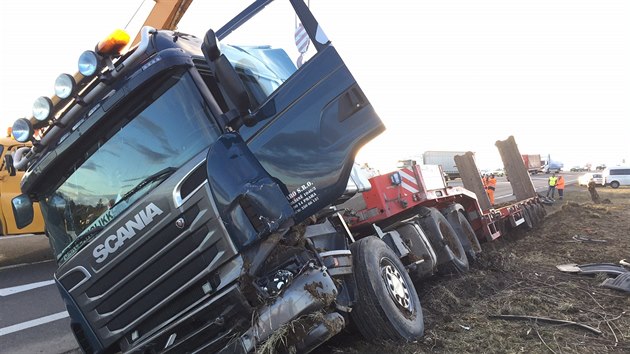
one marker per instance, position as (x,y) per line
(518,276)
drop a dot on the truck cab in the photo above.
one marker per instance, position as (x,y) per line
(179,182)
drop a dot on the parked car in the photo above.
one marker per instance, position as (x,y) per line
(598,178)
(617,176)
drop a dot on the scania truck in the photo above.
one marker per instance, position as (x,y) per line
(197,195)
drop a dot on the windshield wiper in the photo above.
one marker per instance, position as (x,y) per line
(79,242)
(158,176)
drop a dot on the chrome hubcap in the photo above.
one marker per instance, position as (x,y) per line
(396,286)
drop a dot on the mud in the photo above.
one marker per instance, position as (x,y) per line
(517,275)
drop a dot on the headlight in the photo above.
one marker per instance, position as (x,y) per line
(88,63)
(64,86)
(42,108)
(22,130)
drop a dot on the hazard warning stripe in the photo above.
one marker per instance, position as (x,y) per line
(408,181)
(409,188)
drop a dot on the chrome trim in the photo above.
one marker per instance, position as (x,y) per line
(80,269)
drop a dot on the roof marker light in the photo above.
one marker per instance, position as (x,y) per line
(42,108)
(88,63)
(64,86)
(22,130)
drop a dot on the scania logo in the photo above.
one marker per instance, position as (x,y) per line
(113,242)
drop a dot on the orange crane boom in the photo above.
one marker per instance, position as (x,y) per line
(166,14)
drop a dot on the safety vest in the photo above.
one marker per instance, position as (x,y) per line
(552,181)
(492,183)
(560,183)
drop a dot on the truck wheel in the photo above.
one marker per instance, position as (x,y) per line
(451,255)
(540,210)
(387,306)
(466,234)
(533,215)
(528,224)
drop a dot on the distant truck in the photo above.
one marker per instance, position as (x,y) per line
(533,163)
(445,159)
(551,166)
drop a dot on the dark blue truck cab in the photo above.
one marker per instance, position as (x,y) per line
(186,187)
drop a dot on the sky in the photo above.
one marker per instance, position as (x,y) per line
(443,75)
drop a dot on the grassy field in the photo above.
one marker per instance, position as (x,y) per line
(517,276)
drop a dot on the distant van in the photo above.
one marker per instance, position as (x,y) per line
(617,176)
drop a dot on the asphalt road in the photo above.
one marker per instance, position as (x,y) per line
(33,318)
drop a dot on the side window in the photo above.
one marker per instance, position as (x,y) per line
(619,171)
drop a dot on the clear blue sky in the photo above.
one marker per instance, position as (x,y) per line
(443,75)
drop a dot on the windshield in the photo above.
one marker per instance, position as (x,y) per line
(170,127)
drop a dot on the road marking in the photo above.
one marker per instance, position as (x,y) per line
(26,287)
(33,323)
(19,236)
(25,264)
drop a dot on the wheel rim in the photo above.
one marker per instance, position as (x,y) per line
(472,238)
(396,285)
(451,240)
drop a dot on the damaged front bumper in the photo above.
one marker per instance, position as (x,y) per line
(227,324)
(310,294)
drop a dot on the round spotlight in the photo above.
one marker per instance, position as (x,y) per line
(42,108)
(64,86)
(88,63)
(22,130)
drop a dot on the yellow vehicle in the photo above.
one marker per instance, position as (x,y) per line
(10,177)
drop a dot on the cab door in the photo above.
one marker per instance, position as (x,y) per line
(311,127)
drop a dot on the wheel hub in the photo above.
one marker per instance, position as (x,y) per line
(396,286)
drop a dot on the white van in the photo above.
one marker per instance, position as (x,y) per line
(617,176)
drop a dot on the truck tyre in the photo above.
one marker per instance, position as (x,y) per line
(533,215)
(540,210)
(466,234)
(450,253)
(387,306)
(528,224)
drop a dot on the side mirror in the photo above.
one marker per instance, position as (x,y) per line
(23,210)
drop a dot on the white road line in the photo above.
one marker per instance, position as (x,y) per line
(24,264)
(33,323)
(18,236)
(25,287)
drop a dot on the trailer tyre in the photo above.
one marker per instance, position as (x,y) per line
(387,307)
(450,252)
(466,234)
(533,214)
(528,224)
(540,210)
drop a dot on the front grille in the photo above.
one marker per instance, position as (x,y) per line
(159,267)
(149,248)
(161,275)
(210,327)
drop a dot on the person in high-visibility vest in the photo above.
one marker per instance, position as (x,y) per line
(491,185)
(553,180)
(560,186)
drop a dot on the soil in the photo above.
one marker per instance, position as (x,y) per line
(517,275)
